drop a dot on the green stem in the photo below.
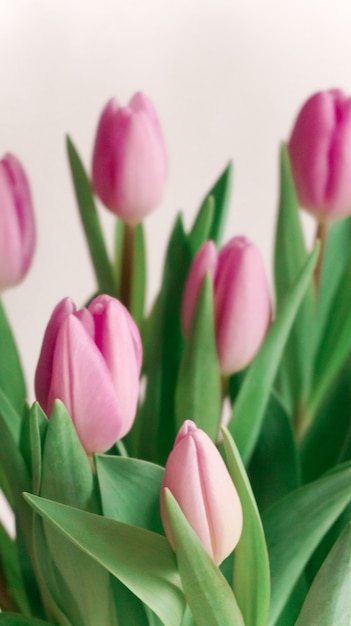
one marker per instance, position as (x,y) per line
(321,235)
(127,265)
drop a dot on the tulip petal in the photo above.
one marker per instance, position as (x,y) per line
(118,340)
(338,191)
(242,304)
(44,367)
(80,378)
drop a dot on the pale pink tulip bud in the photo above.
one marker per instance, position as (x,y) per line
(320,154)
(197,477)
(242,305)
(17,228)
(91,360)
(129,159)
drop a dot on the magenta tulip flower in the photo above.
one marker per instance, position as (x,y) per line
(242,305)
(320,154)
(197,477)
(91,360)
(129,159)
(17,227)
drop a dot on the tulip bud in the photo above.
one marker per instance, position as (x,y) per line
(17,228)
(242,307)
(320,154)
(129,159)
(91,360)
(197,477)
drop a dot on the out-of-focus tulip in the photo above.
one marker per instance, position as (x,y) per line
(197,477)
(242,306)
(129,159)
(320,154)
(17,228)
(91,360)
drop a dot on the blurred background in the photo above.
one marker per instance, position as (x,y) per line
(227,79)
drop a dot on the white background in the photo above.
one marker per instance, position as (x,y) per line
(227,79)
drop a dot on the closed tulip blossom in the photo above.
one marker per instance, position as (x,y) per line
(17,227)
(129,159)
(91,360)
(242,305)
(197,477)
(320,154)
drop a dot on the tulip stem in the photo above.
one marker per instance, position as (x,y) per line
(127,266)
(321,235)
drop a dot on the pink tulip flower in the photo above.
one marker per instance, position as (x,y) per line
(17,227)
(129,159)
(242,306)
(320,154)
(91,360)
(197,477)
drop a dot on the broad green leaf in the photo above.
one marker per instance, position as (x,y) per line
(12,381)
(198,393)
(336,258)
(274,479)
(289,256)
(329,600)
(209,596)
(55,593)
(129,609)
(201,229)
(220,193)
(336,343)
(11,574)
(294,527)
(157,416)
(11,417)
(327,441)
(130,490)
(67,477)
(14,619)
(91,223)
(250,405)
(142,560)
(33,432)
(251,581)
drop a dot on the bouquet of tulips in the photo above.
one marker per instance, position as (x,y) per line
(192,465)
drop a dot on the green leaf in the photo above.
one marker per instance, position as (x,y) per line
(198,393)
(336,258)
(336,344)
(294,527)
(273,480)
(220,193)
(157,416)
(329,601)
(251,582)
(56,596)
(327,441)
(130,490)
(91,223)
(10,573)
(142,560)
(250,405)
(68,478)
(201,229)
(209,596)
(14,619)
(289,256)
(12,381)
